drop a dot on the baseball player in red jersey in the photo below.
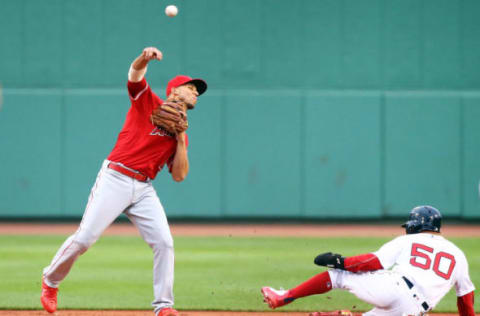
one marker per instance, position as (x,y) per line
(124,185)
(425,267)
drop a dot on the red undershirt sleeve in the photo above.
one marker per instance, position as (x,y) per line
(465,305)
(363,263)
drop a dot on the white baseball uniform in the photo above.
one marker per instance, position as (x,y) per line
(425,267)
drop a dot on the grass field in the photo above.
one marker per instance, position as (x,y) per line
(212,273)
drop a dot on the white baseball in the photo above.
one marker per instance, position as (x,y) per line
(171,10)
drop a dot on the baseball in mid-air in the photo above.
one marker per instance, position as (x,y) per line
(171,10)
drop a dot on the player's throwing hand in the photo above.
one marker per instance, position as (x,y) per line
(150,53)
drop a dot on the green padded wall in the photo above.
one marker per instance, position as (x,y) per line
(262,161)
(30,138)
(342,155)
(87,143)
(315,109)
(470,50)
(471,152)
(11,43)
(422,163)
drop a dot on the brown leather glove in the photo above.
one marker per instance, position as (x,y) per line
(170,116)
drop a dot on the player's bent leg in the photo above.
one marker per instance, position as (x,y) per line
(396,310)
(318,284)
(378,312)
(380,288)
(103,207)
(63,261)
(101,211)
(149,217)
(57,271)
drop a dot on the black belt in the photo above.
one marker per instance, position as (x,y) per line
(410,285)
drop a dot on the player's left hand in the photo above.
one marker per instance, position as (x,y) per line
(330,260)
(170,116)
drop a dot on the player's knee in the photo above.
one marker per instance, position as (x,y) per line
(162,243)
(85,240)
(336,277)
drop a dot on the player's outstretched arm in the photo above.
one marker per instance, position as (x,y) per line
(360,263)
(138,68)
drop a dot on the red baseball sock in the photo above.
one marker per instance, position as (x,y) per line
(319,284)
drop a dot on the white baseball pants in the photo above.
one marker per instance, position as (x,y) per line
(112,195)
(386,290)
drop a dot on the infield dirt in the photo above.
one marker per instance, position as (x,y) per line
(149,313)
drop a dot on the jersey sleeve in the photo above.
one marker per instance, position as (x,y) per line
(136,89)
(463,284)
(389,252)
(142,96)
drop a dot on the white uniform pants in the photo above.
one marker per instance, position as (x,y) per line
(112,195)
(386,290)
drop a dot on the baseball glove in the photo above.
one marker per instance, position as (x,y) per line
(170,116)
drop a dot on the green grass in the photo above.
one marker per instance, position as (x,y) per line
(212,273)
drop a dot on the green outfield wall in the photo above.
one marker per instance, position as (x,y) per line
(315,109)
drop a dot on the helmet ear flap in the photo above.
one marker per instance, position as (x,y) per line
(411,227)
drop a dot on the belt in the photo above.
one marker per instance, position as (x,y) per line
(129,173)
(410,285)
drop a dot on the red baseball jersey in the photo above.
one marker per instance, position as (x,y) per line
(141,145)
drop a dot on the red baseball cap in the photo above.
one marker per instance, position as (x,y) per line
(181,80)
